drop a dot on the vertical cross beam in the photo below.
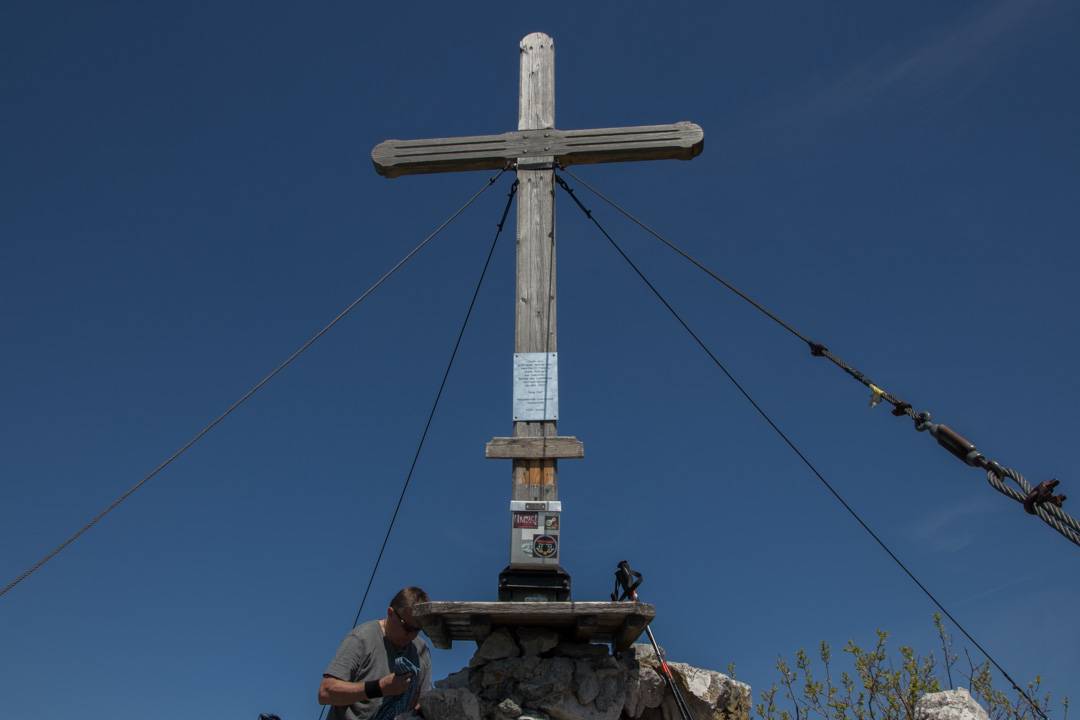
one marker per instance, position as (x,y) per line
(535,447)
(534,317)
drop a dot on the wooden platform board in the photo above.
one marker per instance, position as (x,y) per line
(618,623)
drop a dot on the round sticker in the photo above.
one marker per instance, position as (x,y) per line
(545,546)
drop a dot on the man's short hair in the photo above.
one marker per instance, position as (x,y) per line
(407,597)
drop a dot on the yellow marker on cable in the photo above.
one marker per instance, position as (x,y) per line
(876,395)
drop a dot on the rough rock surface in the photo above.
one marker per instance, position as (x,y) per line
(711,695)
(949,705)
(499,644)
(450,704)
(533,674)
(508,710)
(536,640)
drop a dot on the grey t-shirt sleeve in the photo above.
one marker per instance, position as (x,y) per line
(351,661)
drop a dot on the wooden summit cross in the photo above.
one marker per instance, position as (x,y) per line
(534,150)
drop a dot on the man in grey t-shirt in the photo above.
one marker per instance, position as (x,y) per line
(360,682)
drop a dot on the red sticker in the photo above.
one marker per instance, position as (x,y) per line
(526,520)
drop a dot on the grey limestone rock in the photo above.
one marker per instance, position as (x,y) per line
(499,644)
(507,710)
(552,678)
(711,695)
(450,704)
(586,686)
(536,677)
(612,690)
(949,705)
(644,689)
(566,707)
(534,641)
(499,672)
(581,650)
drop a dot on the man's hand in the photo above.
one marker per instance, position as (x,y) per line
(394,684)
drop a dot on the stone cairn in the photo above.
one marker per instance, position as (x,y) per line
(530,673)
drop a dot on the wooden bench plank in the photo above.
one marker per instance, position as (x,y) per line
(619,623)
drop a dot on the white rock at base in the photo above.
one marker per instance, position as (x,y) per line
(949,705)
(711,695)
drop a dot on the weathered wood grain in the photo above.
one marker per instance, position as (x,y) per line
(439,633)
(529,447)
(619,623)
(536,96)
(677,141)
(585,627)
(535,308)
(631,629)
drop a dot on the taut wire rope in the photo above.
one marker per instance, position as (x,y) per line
(251,391)
(1039,499)
(434,407)
(788,441)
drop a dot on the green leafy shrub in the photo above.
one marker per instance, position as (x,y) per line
(884,688)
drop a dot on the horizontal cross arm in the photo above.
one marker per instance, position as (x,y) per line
(677,141)
(551,447)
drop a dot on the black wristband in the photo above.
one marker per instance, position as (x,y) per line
(372,689)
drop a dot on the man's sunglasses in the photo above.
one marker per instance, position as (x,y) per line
(407,627)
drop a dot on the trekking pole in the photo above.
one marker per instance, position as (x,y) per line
(627,581)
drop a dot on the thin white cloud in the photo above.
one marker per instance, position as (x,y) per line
(1033,579)
(963,53)
(950,529)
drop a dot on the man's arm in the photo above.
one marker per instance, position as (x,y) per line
(337,692)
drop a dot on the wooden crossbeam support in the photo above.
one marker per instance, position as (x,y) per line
(630,631)
(676,141)
(512,448)
(440,635)
(585,627)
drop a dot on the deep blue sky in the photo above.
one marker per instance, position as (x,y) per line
(187,195)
